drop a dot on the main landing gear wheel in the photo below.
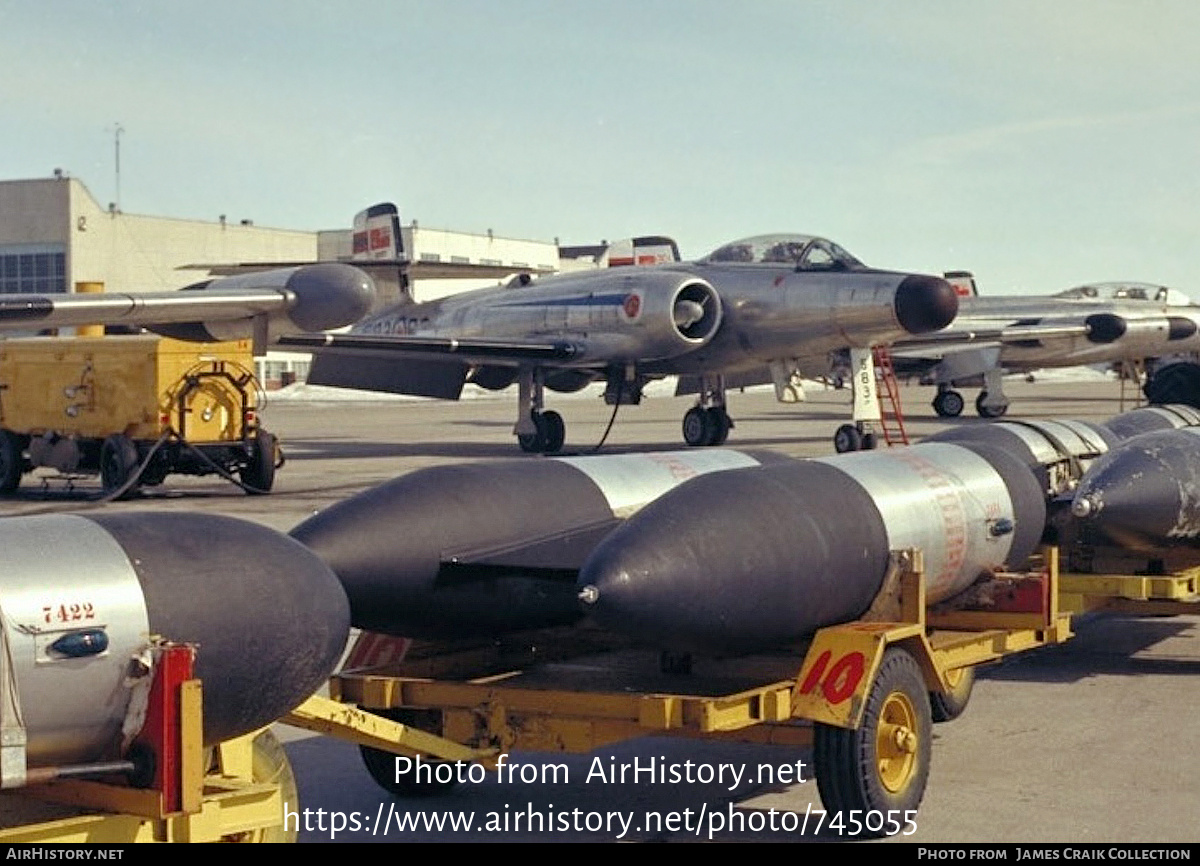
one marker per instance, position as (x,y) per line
(847,438)
(382,765)
(12,463)
(948,404)
(883,765)
(949,706)
(988,411)
(709,426)
(118,463)
(550,436)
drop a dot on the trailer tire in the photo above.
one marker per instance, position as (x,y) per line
(118,463)
(270,764)
(949,706)
(259,472)
(381,764)
(12,462)
(882,766)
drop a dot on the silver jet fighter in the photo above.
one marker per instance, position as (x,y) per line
(783,302)
(1100,323)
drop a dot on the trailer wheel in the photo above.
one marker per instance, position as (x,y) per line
(118,463)
(382,764)
(270,764)
(259,472)
(945,707)
(12,463)
(883,765)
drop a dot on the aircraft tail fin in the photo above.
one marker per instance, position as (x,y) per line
(378,238)
(963,282)
(645,250)
(377,233)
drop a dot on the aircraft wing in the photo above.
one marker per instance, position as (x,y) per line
(987,333)
(420,366)
(29,312)
(468,351)
(310,298)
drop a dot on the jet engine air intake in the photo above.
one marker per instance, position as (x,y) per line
(696,311)
(1180,328)
(1137,335)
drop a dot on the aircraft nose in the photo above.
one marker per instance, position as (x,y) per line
(925,303)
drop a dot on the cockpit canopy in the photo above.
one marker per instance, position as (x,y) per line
(801,252)
(1126,292)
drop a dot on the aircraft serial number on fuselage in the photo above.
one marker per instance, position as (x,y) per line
(398,325)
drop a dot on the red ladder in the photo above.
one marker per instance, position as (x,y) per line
(891,419)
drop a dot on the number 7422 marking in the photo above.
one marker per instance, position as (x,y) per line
(64,613)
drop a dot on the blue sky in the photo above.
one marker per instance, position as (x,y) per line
(1039,144)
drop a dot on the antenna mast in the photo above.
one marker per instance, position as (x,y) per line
(117,154)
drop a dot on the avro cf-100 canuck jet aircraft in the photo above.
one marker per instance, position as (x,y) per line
(782,302)
(1099,323)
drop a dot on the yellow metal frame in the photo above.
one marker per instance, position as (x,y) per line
(225,804)
(842,661)
(496,710)
(1177,593)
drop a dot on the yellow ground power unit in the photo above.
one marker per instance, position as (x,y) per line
(133,409)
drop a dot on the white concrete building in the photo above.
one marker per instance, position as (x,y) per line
(53,234)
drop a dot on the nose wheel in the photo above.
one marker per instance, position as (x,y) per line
(948,404)
(851,437)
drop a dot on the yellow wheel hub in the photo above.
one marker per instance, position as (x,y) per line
(896,742)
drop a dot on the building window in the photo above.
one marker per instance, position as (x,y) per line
(27,272)
(430,257)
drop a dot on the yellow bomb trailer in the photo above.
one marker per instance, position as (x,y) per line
(864,694)
(133,409)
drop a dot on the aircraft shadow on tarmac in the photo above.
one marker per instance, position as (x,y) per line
(324,449)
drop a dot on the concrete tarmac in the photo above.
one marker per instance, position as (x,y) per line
(1092,741)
